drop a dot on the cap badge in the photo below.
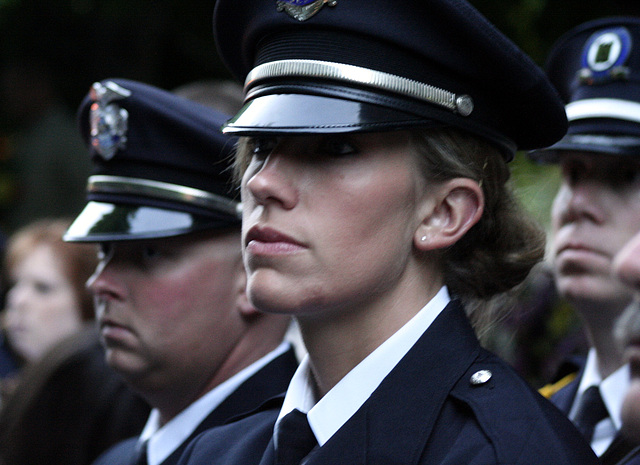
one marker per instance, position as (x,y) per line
(107,120)
(303,9)
(604,56)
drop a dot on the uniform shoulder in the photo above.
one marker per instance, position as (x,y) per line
(518,421)
(550,389)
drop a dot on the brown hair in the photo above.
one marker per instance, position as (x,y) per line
(498,252)
(78,260)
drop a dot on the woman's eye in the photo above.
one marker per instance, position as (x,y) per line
(338,147)
(263,146)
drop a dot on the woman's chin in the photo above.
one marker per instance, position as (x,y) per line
(283,299)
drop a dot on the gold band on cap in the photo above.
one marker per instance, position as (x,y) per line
(164,191)
(462,104)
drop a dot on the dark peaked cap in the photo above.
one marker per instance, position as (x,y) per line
(160,165)
(596,68)
(318,66)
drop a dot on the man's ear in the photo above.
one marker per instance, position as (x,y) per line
(449,212)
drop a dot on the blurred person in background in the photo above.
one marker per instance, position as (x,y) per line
(47,299)
(596,68)
(225,96)
(65,406)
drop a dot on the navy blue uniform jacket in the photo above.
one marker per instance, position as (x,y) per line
(426,411)
(633,458)
(564,399)
(271,380)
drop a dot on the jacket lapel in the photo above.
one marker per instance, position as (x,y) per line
(563,399)
(395,423)
(270,381)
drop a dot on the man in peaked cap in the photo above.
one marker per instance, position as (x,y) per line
(170,285)
(596,68)
(315,68)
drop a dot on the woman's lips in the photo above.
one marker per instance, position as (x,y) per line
(269,241)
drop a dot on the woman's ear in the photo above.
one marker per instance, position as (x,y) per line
(451,210)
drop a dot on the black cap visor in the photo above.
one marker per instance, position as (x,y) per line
(105,222)
(297,113)
(597,135)
(313,114)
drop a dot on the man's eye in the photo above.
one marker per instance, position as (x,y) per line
(104,251)
(572,171)
(150,253)
(621,176)
(631,175)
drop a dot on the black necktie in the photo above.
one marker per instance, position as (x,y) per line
(591,410)
(295,439)
(140,457)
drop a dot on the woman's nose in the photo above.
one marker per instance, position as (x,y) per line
(273,182)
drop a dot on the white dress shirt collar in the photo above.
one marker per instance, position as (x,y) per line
(327,415)
(162,441)
(612,389)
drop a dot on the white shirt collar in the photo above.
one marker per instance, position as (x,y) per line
(612,389)
(332,411)
(162,441)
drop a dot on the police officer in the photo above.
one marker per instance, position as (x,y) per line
(170,285)
(596,67)
(374,149)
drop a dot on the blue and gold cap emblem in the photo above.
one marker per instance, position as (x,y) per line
(108,121)
(596,69)
(605,55)
(303,9)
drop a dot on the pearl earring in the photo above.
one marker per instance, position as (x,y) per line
(423,238)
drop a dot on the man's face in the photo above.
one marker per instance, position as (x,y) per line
(168,308)
(596,211)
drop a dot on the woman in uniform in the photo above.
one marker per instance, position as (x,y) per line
(373,158)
